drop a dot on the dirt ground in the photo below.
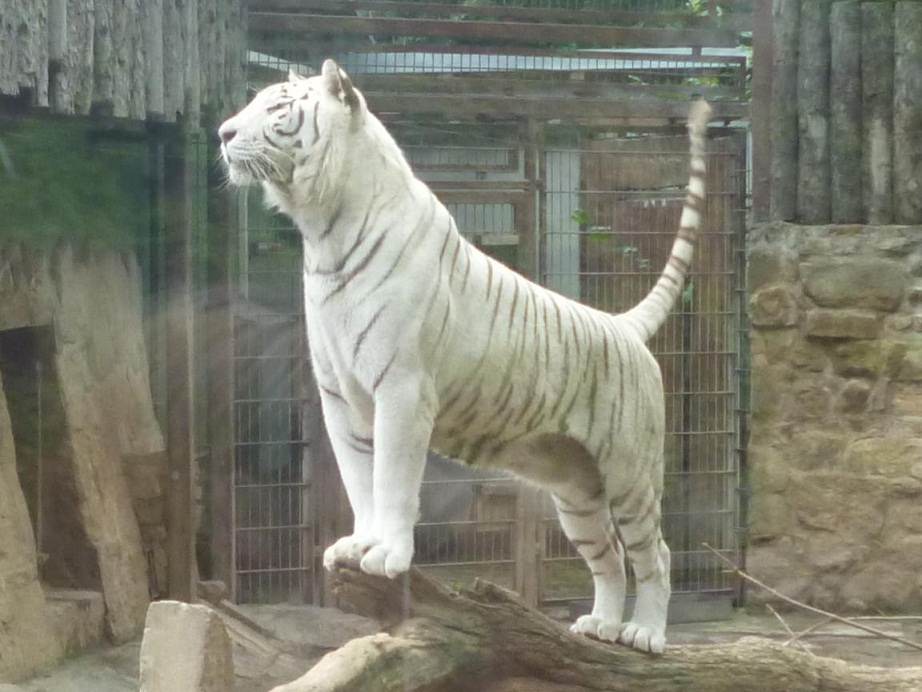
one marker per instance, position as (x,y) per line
(280,642)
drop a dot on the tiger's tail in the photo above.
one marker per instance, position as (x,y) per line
(651,312)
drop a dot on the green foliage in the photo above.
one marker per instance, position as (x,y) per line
(58,183)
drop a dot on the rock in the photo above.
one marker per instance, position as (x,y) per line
(212,591)
(854,396)
(862,282)
(882,456)
(869,358)
(27,638)
(814,449)
(906,400)
(910,369)
(774,306)
(185,647)
(767,266)
(842,324)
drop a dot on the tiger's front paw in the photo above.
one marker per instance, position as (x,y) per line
(348,549)
(387,560)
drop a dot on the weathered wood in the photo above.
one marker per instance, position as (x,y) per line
(762,52)
(439,639)
(103,58)
(78,89)
(786,14)
(845,112)
(907,113)
(516,32)
(152,20)
(24,48)
(813,170)
(877,111)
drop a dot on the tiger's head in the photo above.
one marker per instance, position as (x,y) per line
(289,125)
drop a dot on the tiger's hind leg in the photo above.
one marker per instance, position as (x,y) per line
(588,524)
(649,558)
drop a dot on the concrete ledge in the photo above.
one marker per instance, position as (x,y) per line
(185,647)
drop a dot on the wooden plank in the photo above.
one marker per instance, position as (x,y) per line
(580,110)
(518,85)
(845,112)
(907,113)
(783,124)
(496,12)
(178,222)
(813,171)
(515,32)
(877,110)
(761,113)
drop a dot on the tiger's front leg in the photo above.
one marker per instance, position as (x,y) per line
(403,428)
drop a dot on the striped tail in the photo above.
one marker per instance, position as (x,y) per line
(651,312)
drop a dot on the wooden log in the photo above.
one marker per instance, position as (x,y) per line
(786,16)
(103,58)
(57,56)
(173,60)
(152,20)
(813,170)
(907,113)
(24,49)
(845,112)
(439,639)
(877,111)
(81,20)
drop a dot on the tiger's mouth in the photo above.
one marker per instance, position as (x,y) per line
(249,167)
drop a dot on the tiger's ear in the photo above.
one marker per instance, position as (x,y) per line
(338,83)
(293,76)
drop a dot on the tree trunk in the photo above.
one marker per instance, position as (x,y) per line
(786,15)
(813,189)
(877,116)
(486,639)
(845,106)
(907,114)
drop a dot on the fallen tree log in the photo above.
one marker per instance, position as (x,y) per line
(486,639)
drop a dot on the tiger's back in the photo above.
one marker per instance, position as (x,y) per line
(418,339)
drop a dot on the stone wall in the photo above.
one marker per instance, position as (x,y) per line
(836,446)
(104,479)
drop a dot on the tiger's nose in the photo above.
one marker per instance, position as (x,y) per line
(227,132)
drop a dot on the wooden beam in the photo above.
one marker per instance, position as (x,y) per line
(762,43)
(178,181)
(496,12)
(542,109)
(515,32)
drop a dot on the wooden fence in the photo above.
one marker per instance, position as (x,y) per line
(140,59)
(839,87)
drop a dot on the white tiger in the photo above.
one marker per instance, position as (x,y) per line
(419,340)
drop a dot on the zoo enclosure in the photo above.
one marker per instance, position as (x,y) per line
(566,164)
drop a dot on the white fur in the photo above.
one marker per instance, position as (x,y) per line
(419,340)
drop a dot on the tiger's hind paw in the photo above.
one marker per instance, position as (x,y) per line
(646,639)
(387,561)
(348,549)
(597,628)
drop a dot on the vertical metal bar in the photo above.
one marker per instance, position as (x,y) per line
(39,460)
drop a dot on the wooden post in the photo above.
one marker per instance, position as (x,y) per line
(783,125)
(907,113)
(152,20)
(762,107)
(813,171)
(845,105)
(222,238)
(528,553)
(877,110)
(103,58)
(178,179)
